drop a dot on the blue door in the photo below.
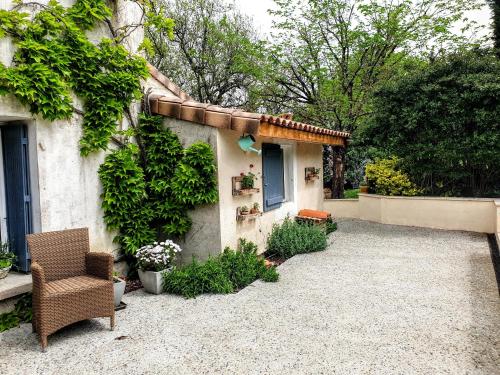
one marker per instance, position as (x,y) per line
(17,190)
(273,176)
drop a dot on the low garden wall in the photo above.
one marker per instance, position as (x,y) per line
(469,214)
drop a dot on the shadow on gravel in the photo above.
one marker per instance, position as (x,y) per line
(495,257)
(483,302)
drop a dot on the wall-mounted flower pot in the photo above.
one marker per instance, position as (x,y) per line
(241,190)
(312,174)
(246,215)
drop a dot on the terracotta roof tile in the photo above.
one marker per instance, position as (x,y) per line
(228,118)
(156,74)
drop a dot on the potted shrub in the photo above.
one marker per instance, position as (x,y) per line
(363,187)
(255,208)
(119,288)
(7,259)
(154,260)
(244,210)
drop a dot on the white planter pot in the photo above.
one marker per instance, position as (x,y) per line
(152,281)
(4,272)
(119,289)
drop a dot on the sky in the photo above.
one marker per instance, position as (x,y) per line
(257,9)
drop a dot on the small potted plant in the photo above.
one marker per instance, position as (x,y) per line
(154,260)
(244,210)
(247,181)
(363,187)
(119,288)
(7,259)
(255,208)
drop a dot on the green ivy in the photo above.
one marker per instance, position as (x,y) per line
(195,181)
(124,198)
(54,57)
(142,198)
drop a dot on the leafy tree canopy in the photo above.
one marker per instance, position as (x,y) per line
(443,123)
(329,55)
(213,53)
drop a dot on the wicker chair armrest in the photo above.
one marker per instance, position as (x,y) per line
(38,277)
(100,265)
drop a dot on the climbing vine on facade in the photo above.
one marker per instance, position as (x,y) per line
(55,58)
(148,191)
(54,61)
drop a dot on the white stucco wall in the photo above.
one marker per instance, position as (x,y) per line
(65,187)
(232,161)
(469,214)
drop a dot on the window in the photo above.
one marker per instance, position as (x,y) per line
(272,176)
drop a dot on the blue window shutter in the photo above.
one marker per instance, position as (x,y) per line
(273,176)
(17,190)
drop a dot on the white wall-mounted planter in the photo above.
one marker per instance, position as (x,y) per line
(152,281)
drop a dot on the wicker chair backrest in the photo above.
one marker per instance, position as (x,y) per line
(61,254)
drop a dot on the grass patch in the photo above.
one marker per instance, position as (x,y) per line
(351,194)
(226,273)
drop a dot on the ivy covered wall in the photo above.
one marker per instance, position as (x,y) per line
(77,86)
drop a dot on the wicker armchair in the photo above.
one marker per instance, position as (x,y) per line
(69,283)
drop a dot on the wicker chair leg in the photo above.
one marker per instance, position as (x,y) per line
(112,322)
(43,341)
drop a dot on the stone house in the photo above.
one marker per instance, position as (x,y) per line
(289,152)
(46,185)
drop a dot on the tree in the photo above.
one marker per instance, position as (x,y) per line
(442,122)
(329,55)
(213,54)
(495,7)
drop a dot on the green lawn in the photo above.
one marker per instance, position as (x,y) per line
(351,194)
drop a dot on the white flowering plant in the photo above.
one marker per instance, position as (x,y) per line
(157,257)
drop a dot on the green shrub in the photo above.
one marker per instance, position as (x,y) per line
(270,275)
(198,278)
(225,273)
(291,238)
(330,226)
(442,121)
(244,266)
(22,312)
(385,179)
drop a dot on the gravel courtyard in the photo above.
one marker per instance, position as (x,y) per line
(381,300)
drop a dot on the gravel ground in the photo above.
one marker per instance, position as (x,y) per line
(381,300)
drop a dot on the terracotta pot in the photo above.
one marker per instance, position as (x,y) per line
(363,189)
(254,211)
